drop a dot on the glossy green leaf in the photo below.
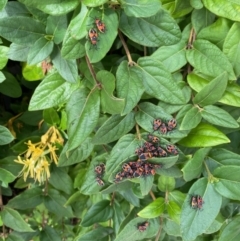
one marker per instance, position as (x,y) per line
(201,18)
(18,52)
(10,86)
(166,184)
(60,180)
(231,231)
(98,233)
(128,85)
(76,155)
(3,56)
(118,216)
(77,26)
(212,92)
(5,136)
(3,4)
(173,211)
(39,51)
(52,7)
(8,164)
(181,8)
(208,59)
(131,233)
(224,8)
(142,8)
(14,9)
(55,201)
(218,116)
(130,197)
(21,30)
(231,47)
(191,119)
(49,233)
(157,30)
(204,135)
(228,184)
(114,128)
(109,103)
(14,220)
(146,184)
(30,198)
(154,209)
(2,77)
(83,110)
(99,212)
(194,221)
(57,26)
(15,237)
(172,228)
(6,177)
(197,4)
(32,72)
(50,116)
(193,167)
(106,39)
(67,68)
(52,91)
(173,57)
(94,3)
(156,77)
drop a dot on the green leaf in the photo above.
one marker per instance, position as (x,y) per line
(97,234)
(166,184)
(228,184)
(223,8)
(131,233)
(79,154)
(99,212)
(193,168)
(49,234)
(218,116)
(201,18)
(3,4)
(3,56)
(10,86)
(52,7)
(106,39)
(191,119)
(194,221)
(57,26)
(154,209)
(109,103)
(2,77)
(67,68)
(94,3)
(140,8)
(52,91)
(216,32)
(118,216)
(181,8)
(231,47)
(160,29)
(30,198)
(173,57)
(32,72)
(6,177)
(114,128)
(60,180)
(212,92)
(13,220)
(129,86)
(156,77)
(204,135)
(174,211)
(231,231)
(208,59)
(55,201)
(77,26)
(21,30)
(172,228)
(50,116)
(5,136)
(83,110)
(146,184)
(39,51)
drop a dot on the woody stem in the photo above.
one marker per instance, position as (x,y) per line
(125,47)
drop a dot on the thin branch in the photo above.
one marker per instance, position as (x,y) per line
(152,195)
(91,70)
(159,230)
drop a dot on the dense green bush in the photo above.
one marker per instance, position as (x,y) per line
(119,120)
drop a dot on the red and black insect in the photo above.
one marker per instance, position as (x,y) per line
(153,139)
(99,181)
(142,226)
(156,124)
(172,149)
(93,36)
(145,156)
(161,151)
(163,128)
(200,201)
(99,170)
(196,202)
(100,25)
(171,124)
(119,177)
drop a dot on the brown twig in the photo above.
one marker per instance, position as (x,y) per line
(92,70)
(152,195)
(159,230)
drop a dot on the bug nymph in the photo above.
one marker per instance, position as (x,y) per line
(171,124)
(142,226)
(99,181)
(100,25)
(156,124)
(93,36)
(163,128)
(193,202)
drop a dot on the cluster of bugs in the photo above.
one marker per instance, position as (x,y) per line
(99,170)
(164,127)
(152,148)
(137,168)
(142,226)
(93,33)
(196,202)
